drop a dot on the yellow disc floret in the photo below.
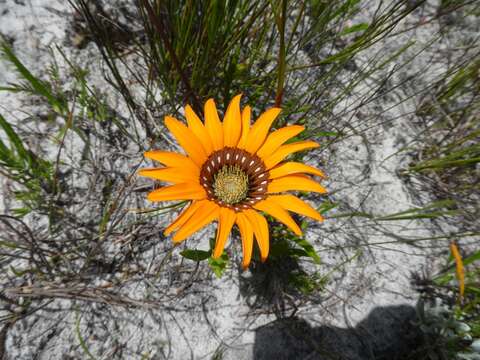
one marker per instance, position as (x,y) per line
(231,184)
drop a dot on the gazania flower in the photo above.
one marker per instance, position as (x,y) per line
(233,172)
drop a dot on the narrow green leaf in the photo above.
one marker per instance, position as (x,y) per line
(42,88)
(82,342)
(326,133)
(355,28)
(352,214)
(433,210)
(309,250)
(8,244)
(470,259)
(15,140)
(326,206)
(195,255)
(10,89)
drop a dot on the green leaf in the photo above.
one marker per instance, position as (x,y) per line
(472,258)
(283,248)
(466,261)
(355,28)
(10,89)
(325,133)
(8,244)
(40,87)
(433,210)
(279,248)
(326,206)
(218,265)
(15,140)
(352,214)
(306,284)
(309,250)
(474,289)
(21,212)
(195,255)
(81,340)
(298,252)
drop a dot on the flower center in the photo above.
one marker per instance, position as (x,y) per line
(234,178)
(231,184)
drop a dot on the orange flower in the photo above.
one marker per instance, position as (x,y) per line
(232,172)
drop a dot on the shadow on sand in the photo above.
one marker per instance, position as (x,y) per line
(387,333)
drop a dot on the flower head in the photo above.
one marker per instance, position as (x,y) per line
(232,173)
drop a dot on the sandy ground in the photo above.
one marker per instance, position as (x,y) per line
(369,299)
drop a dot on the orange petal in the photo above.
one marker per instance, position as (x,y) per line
(184,216)
(459,269)
(246,232)
(213,124)
(259,130)
(232,123)
(183,191)
(278,213)
(171,159)
(169,174)
(293,203)
(289,168)
(225,223)
(187,140)
(204,215)
(195,124)
(277,138)
(260,229)
(285,150)
(246,114)
(294,182)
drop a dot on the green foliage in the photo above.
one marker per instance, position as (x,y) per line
(219,353)
(90,102)
(194,50)
(450,152)
(449,326)
(283,245)
(299,54)
(286,250)
(196,255)
(41,180)
(355,28)
(308,284)
(32,173)
(472,287)
(218,266)
(430,211)
(32,84)
(326,206)
(445,334)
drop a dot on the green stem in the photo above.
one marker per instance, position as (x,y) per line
(161,32)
